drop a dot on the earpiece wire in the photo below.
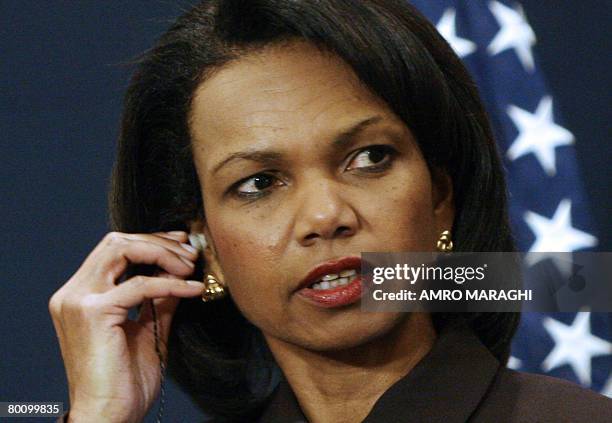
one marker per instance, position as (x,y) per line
(162,365)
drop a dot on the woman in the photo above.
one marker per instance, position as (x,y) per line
(289,136)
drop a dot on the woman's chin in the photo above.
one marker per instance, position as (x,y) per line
(342,335)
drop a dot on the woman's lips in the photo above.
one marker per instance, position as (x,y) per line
(335,297)
(334,266)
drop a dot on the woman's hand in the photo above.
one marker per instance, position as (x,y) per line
(111,364)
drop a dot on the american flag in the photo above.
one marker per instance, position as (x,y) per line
(548,208)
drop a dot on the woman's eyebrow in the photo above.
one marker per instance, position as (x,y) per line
(342,140)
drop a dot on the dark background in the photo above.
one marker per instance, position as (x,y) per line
(63,73)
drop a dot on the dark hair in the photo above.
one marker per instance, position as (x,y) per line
(215,354)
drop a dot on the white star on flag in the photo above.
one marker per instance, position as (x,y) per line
(556,235)
(447,26)
(514,33)
(574,345)
(514,363)
(538,134)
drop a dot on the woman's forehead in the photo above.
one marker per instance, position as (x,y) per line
(295,91)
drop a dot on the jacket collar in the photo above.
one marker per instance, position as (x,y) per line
(445,386)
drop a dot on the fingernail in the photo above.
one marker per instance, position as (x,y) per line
(195,283)
(176,232)
(189,248)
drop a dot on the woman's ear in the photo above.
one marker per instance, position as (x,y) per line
(442,200)
(209,252)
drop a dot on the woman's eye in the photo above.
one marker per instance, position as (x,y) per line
(372,159)
(254,186)
(376,158)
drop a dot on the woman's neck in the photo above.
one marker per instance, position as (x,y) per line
(343,386)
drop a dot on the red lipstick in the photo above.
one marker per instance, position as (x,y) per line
(333,297)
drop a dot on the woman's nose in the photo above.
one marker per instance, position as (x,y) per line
(324,213)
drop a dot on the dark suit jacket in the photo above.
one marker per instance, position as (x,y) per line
(459,381)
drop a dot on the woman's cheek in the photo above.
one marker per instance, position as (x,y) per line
(247,258)
(402,216)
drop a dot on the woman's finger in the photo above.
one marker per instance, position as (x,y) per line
(181,236)
(110,259)
(139,288)
(183,249)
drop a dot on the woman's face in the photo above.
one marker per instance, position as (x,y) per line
(299,164)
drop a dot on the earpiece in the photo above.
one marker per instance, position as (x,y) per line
(198,240)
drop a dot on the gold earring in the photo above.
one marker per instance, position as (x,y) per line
(214,290)
(445,243)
